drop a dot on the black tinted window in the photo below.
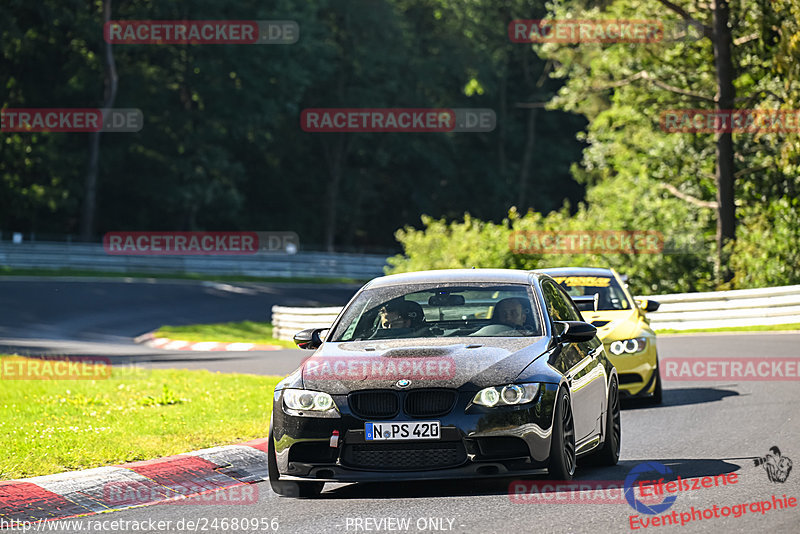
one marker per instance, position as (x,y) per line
(559,305)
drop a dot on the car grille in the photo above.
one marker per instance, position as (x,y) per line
(630,378)
(429,402)
(382,404)
(377,404)
(404,456)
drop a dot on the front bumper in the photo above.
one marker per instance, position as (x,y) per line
(475,442)
(636,371)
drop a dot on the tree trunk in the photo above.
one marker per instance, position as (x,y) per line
(111,79)
(527,160)
(726,210)
(335,154)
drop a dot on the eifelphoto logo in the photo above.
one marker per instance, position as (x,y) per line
(55,368)
(730,121)
(657,495)
(199,243)
(388,120)
(777,466)
(637,504)
(71,120)
(201,32)
(724,368)
(776,503)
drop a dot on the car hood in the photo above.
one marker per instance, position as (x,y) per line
(340,368)
(620,324)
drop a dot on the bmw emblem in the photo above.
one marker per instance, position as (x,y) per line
(403,383)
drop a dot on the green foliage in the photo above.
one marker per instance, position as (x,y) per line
(766,251)
(222,146)
(51,426)
(166,398)
(459,244)
(641,177)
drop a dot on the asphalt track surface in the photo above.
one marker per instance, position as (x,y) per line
(703,428)
(100,317)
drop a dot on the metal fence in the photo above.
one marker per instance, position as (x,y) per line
(681,311)
(92,257)
(741,307)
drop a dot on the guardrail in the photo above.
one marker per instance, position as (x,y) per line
(286,322)
(680,311)
(740,307)
(92,257)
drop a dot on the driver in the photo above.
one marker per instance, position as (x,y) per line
(510,312)
(400,314)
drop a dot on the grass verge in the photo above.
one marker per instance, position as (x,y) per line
(754,328)
(9,271)
(244,332)
(51,426)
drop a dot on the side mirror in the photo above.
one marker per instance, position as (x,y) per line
(309,338)
(648,305)
(575,331)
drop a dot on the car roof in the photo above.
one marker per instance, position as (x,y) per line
(503,276)
(576,271)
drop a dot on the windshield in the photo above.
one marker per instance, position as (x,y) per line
(610,294)
(477,310)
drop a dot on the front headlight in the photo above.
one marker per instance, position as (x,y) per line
(307,400)
(506,395)
(628,346)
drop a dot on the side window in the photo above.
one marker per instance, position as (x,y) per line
(559,305)
(570,310)
(550,299)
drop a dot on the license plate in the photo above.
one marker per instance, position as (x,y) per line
(399,430)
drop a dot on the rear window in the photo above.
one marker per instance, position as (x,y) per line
(610,294)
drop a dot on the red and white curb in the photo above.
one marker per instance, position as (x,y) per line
(164,343)
(191,478)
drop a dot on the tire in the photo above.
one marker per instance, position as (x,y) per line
(609,454)
(656,397)
(288,489)
(562,443)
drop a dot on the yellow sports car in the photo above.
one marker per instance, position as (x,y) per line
(622,326)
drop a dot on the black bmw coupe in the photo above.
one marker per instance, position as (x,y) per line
(446,374)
